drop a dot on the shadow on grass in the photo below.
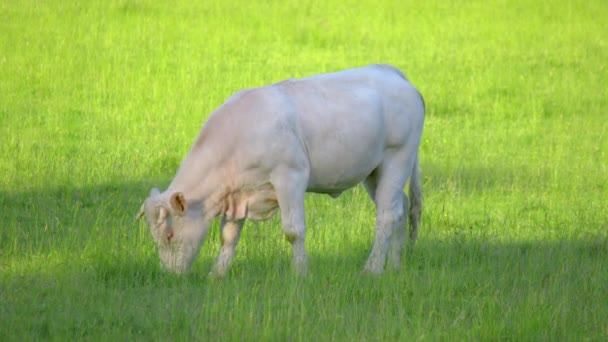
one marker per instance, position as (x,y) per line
(90,232)
(72,221)
(73,264)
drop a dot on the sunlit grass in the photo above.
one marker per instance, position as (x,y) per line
(99,102)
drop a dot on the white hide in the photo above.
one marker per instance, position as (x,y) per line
(265,147)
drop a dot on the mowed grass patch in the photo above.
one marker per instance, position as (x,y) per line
(100,102)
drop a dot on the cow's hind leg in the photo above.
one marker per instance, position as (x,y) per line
(290,187)
(385,186)
(376,260)
(398,239)
(399,234)
(231,231)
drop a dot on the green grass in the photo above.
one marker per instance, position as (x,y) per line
(100,101)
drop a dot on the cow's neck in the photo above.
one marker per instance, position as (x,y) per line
(199,179)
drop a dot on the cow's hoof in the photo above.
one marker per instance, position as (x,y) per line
(372,271)
(216,275)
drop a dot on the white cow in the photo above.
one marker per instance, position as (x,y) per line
(266,147)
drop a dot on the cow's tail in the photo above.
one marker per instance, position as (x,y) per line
(415,210)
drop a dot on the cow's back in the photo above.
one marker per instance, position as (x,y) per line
(338,125)
(348,119)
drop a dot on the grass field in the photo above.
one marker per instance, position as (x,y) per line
(100,101)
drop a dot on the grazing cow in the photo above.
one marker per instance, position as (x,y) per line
(264,148)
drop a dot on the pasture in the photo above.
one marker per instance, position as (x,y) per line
(101,100)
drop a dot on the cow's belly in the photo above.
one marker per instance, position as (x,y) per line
(344,161)
(344,130)
(334,176)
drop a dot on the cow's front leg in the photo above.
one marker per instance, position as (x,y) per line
(230,231)
(295,233)
(290,188)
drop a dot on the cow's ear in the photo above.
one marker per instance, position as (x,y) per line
(178,203)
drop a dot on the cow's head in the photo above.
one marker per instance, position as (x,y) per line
(177,228)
